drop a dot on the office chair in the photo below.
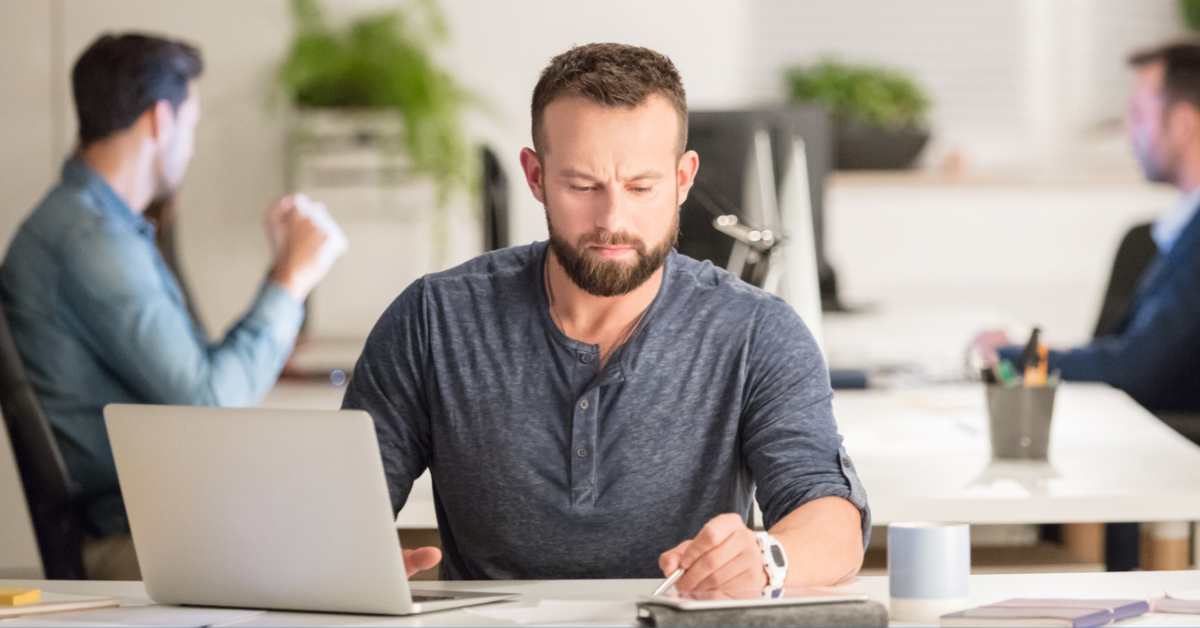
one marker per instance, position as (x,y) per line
(1134,254)
(52,506)
(494,198)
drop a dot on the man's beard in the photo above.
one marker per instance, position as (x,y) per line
(610,278)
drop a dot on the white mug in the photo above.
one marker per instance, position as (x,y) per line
(929,565)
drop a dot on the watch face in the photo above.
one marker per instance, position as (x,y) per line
(777,556)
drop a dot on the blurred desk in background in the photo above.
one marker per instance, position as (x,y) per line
(924,454)
(908,345)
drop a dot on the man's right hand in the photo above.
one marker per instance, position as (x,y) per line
(420,559)
(305,240)
(986,344)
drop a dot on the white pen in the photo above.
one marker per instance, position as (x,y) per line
(662,588)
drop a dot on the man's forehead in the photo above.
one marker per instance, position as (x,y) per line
(578,116)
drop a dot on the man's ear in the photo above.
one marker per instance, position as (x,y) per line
(162,121)
(534,175)
(685,173)
(1181,122)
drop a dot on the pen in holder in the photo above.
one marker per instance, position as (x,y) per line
(1019,420)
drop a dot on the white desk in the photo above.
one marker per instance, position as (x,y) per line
(924,454)
(985,589)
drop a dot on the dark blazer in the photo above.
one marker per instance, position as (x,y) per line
(1153,350)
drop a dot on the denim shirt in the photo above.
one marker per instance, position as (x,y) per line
(546,465)
(98,318)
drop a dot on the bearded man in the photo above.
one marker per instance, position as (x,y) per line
(600,406)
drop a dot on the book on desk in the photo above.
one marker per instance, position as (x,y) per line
(1072,613)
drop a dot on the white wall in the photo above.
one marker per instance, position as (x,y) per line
(27,158)
(1009,80)
(1037,251)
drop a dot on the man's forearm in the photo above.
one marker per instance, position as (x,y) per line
(823,541)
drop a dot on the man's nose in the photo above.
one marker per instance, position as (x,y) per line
(613,213)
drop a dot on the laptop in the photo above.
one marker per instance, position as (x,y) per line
(263,508)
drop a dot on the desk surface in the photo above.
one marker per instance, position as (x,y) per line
(924,454)
(984,589)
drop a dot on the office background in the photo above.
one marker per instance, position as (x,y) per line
(1027,98)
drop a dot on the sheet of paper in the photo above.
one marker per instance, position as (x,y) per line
(1178,603)
(150,615)
(565,613)
(1185,594)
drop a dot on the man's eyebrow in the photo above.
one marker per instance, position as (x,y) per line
(570,173)
(648,175)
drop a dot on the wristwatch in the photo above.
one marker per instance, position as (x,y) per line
(775,562)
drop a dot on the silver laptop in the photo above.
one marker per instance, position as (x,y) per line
(257,508)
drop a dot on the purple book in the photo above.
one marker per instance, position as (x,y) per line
(1072,613)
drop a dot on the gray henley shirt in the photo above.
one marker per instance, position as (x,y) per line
(545,466)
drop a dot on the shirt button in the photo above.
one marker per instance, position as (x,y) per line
(586,358)
(583,404)
(846,462)
(581,452)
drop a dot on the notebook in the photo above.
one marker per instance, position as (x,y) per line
(59,603)
(1073,613)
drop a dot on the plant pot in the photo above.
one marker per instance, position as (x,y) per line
(863,146)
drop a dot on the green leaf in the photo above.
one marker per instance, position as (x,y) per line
(384,60)
(878,96)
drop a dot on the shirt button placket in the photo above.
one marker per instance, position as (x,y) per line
(583,465)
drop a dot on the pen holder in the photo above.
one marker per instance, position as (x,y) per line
(1019,421)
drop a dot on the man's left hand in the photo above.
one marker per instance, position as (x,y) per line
(724,556)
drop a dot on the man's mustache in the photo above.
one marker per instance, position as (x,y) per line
(608,238)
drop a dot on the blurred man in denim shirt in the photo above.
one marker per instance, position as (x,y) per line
(96,313)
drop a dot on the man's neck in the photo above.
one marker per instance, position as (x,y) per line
(1188,180)
(128,170)
(592,319)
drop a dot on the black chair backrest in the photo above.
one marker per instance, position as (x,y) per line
(1134,254)
(52,505)
(495,202)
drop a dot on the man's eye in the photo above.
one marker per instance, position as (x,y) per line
(581,188)
(641,190)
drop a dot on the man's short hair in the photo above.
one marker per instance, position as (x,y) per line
(1181,71)
(119,77)
(613,75)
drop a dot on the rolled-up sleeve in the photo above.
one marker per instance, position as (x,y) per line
(789,437)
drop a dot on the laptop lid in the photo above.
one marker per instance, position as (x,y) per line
(259,508)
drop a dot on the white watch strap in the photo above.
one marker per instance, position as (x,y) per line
(772,555)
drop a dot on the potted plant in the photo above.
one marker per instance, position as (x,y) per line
(377,135)
(1191,13)
(880,113)
(374,84)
